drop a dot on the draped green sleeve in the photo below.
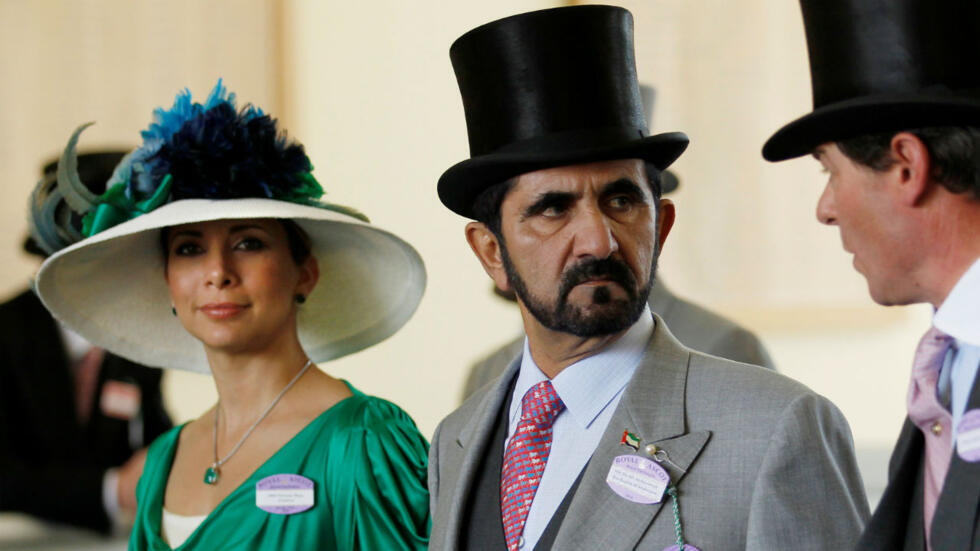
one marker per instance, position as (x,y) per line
(379,488)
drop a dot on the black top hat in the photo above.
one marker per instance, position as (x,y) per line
(883,66)
(648,95)
(94,168)
(545,89)
(59,225)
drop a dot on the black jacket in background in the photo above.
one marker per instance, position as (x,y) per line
(50,466)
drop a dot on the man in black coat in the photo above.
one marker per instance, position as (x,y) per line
(74,420)
(896,126)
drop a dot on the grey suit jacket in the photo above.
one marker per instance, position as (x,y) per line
(693,325)
(760,461)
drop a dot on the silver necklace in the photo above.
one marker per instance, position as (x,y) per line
(213,473)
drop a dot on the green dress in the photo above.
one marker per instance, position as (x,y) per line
(367,461)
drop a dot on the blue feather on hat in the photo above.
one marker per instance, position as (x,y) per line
(208,151)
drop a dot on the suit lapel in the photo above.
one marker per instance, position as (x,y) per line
(49,371)
(473,440)
(954,523)
(895,517)
(652,407)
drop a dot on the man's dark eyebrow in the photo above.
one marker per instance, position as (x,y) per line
(549,199)
(817,152)
(622,186)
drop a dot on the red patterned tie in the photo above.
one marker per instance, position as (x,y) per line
(526,456)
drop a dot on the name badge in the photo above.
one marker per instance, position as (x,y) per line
(968,436)
(284,494)
(637,479)
(120,400)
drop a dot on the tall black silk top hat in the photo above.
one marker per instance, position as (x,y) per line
(545,89)
(884,66)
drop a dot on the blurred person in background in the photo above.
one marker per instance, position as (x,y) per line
(211,251)
(896,126)
(74,419)
(608,433)
(695,326)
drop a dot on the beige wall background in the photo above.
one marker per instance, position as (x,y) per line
(368,88)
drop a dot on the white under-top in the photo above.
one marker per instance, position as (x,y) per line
(175,529)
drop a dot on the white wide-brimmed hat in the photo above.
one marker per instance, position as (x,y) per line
(110,287)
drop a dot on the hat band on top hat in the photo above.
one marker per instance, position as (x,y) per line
(571,140)
(865,115)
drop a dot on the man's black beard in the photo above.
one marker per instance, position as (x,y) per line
(614,315)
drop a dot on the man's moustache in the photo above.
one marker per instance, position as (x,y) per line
(606,268)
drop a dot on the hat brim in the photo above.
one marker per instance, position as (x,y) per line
(668,182)
(462,183)
(869,115)
(110,288)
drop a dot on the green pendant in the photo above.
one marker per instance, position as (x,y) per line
(211,475)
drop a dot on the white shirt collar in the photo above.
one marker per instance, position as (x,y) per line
(959,314)
(75,345)
(587,386)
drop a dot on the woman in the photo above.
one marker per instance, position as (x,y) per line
(211,251)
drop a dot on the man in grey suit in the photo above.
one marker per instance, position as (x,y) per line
(608,433)
(896,126)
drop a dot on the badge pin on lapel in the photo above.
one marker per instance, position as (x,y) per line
(660,456)
(630,440)
(644,481)
(968,436)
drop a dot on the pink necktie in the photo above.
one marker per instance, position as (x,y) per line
(526,456)
(86,371)
(934,420)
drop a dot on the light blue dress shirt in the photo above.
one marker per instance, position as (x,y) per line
(590,389)
(959,317)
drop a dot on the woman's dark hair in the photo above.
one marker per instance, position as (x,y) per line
(486,206)
(954,151)
(298,241)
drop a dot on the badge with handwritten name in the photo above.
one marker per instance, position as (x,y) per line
(637,479)
(120,400)
(968,436)
(284,494)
